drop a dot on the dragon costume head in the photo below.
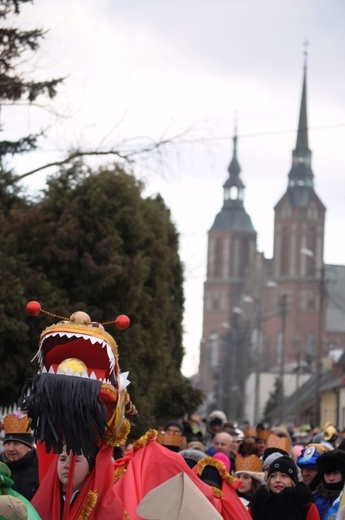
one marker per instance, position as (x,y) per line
(79,395)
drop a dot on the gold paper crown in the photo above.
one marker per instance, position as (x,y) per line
(250,432)
(262,435)
(250,463)
(16,423)
(169,439)
(283,443)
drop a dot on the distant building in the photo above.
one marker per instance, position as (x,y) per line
(279,315)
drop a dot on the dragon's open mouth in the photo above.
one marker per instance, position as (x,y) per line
(95,353)
(79,394)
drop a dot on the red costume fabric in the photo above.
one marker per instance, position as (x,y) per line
(108,506)
(230,506)
(153,464)
(313,513)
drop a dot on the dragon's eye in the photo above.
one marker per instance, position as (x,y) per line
(95,324)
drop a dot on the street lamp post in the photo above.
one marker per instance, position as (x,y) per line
(317,413)
(283,313)
(258,353)
(319,347)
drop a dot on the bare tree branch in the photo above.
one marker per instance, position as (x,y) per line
(124,156)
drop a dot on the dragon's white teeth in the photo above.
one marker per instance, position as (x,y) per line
(68,373)
(92,339)
(111,357)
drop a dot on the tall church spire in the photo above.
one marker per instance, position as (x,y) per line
(233,215)
(233,186)
(302,133)
(301,177)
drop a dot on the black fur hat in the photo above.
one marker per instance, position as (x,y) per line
(330,461)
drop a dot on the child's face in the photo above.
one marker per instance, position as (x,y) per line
(246,480)
(81,470)
(279,481)
(333,478)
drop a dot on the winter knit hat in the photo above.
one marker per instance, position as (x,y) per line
(272,451)
(284,465)
(224,459)
(271,458)
(175,424)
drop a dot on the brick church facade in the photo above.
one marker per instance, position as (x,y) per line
(266,314)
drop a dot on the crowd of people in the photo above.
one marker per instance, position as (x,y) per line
(270,470)
(283,473)
(69,452)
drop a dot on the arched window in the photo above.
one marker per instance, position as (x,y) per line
(218,258)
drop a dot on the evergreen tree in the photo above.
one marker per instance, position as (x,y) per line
(94,243)
(274,400)
(15,46)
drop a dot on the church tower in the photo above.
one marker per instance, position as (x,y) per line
(294,322)
(231,254)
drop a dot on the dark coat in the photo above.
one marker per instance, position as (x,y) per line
(24,473)
(325,495)
(290,504)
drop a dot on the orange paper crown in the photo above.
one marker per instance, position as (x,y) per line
(283,443)
(16,423)
(250,463)
(262,435)
(169,439)
(250,432)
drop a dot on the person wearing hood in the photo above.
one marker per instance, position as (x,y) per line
(78,487)
(331,472)
(214,424)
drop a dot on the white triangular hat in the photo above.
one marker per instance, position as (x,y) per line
(177,499)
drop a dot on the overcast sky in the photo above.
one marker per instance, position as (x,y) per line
(152,68)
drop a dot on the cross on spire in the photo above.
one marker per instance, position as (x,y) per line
(305,45)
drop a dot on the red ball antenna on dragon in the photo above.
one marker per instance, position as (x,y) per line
(34,308)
